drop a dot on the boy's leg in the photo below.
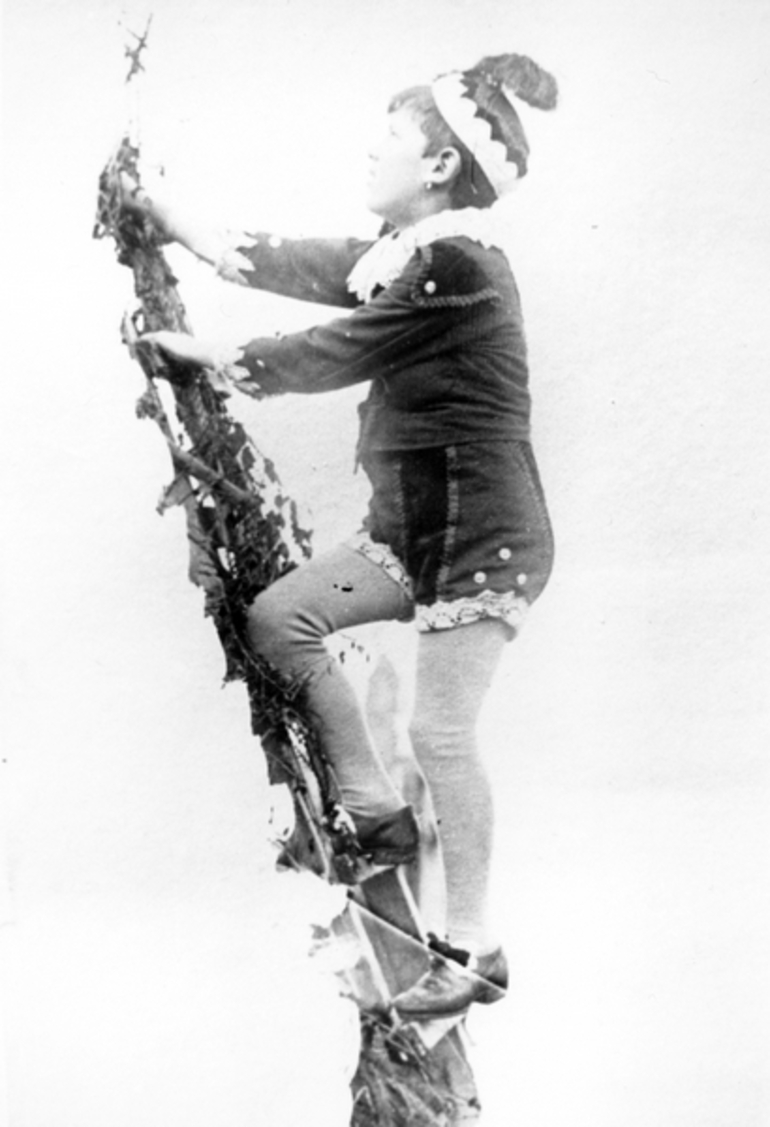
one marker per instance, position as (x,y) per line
(288,623)
(454,671)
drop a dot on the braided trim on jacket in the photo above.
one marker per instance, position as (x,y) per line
(452,515)
(424,294)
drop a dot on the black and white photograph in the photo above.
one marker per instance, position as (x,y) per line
(384,612)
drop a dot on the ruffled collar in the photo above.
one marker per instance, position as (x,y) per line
(387,258)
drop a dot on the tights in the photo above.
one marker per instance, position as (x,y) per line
(288,624)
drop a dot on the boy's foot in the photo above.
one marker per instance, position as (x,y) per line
(389,839)
(448,989)
(383,841)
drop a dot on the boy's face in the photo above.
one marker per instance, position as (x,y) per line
(398,170)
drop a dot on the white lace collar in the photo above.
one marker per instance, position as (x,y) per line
(387,258)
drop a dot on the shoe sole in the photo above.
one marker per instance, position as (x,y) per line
(490,993)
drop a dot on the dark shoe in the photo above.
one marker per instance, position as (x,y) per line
(448,989)
(390,839)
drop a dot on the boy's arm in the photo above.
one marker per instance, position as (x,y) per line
(314,270)
(368,343)
(427,310)
(307,269)
(203,241)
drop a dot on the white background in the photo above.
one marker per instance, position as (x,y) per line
(157,965)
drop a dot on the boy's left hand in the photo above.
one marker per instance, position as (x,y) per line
(182,346)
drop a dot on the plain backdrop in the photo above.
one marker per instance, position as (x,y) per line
(156,968)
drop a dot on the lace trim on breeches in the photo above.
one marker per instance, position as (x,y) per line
(508,606)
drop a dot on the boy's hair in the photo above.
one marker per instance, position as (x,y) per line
(471,188)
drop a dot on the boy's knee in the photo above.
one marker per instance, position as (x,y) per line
(279,626)
(438,738)
(267,624)
(422,736)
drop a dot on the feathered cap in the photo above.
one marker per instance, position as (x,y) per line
(477,106)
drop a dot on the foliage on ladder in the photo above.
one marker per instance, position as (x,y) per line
(243,534)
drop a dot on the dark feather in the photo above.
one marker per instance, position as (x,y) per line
(522,77)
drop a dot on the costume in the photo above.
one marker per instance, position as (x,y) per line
(457,532)
(457,516)
(445,429)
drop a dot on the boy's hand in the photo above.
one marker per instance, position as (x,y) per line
(183,347)
(134,199)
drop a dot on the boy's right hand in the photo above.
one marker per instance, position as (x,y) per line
(137,201)
(130,193)
(171,223)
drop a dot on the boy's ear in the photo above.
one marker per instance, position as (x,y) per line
(446,165)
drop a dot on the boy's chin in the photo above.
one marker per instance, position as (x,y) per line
(371,205)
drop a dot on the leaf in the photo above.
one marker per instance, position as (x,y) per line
(177,493)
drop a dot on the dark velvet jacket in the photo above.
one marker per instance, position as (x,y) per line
(443,345)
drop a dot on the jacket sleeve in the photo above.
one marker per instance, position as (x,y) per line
(308,269)
(409,321)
